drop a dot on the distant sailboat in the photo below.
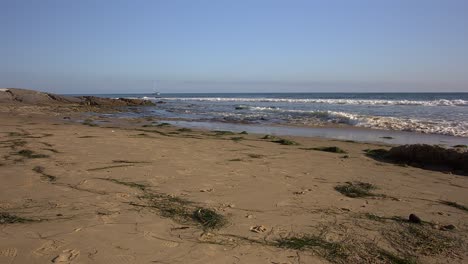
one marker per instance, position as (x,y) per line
(155,92)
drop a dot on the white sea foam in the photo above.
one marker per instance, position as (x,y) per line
(402,124)
(438,102)
(379,122)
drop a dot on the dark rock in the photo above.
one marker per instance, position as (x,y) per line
(23,96)
(431,156)
(414,219)
(100,101)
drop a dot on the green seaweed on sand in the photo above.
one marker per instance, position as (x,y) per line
(410,239)
(268,137)
(184,129)
(14,134)
(334,252)
(44,175)
(209,218)
(255,156)
(31,154)
(342,252)
(328,149)
(14,143)
(283,141)
(89,122)
(356,189)
(149,125)
(223,133)
(454,205)
(163,125)
(237,139)
(6,218)
(129,161)
(376,153)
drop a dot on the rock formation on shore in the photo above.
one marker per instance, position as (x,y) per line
(426,156)
(431,156)
(24,96)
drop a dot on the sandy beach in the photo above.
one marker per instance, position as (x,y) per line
(133,192)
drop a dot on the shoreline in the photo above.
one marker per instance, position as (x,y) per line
(364,135)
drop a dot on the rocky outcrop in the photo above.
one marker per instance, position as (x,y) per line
(100,101)
(24,96)
(431,156)
(14,95)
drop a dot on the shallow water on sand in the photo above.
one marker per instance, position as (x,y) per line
(355,134)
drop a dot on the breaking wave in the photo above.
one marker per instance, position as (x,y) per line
(438,102)
(377,122)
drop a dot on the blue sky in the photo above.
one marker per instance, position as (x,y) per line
(234,46)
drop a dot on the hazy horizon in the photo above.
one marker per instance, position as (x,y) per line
(104,47)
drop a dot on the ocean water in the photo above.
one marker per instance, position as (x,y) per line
(430,113)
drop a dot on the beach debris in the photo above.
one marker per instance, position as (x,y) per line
(300,192)
(209,219)
(207,190)
(448,227)
(414,219)
(180,228)
(249,216)
(258,229)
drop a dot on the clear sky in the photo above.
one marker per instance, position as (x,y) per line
(100,46)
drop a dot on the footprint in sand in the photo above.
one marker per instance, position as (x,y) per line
(170,244)
(166,243)
(117,259)
(8,252)
(47,247)
(67,256)
(7,255)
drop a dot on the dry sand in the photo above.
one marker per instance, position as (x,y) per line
(123,195)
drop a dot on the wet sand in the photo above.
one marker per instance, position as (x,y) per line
(365,135)
(119,192)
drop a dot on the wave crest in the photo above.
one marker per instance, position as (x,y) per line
(438,102)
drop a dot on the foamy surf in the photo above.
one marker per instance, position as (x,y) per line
(439,102)
(429,113)
(377,122)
